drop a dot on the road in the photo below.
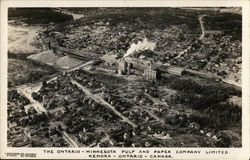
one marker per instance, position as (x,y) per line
(27,90)
(152,114)
(238,85)
(100,100)
(213,76)
(202,26)
(81,66)
(104,139)
(200,38)
(71,142)
(157,101)
(146,110)
(203,74)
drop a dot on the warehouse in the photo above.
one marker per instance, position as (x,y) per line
(175,70)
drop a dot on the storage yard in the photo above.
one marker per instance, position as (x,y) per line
(125,81)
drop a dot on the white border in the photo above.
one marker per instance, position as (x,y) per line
(235,153)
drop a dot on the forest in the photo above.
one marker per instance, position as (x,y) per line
(38,15)
(208,99)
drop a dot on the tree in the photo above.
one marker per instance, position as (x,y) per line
(224,141)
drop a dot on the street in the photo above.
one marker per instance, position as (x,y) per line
(100,100)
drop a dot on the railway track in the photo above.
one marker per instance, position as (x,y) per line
(76,54)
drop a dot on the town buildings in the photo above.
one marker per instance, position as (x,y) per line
(143,64)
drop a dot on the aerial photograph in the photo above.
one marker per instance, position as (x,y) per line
(125,77)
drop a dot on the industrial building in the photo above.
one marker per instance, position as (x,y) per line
(110,59)
(124,67)
(148,71)
(139,64)
(175,70)
(143,64)
(150,74)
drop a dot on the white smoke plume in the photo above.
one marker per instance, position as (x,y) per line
(140,46)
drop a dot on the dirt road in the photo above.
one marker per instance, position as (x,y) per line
(81,66)
(146,110)
(200,38)
(202,27)
(27,90)
(71,142)
(157,101)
